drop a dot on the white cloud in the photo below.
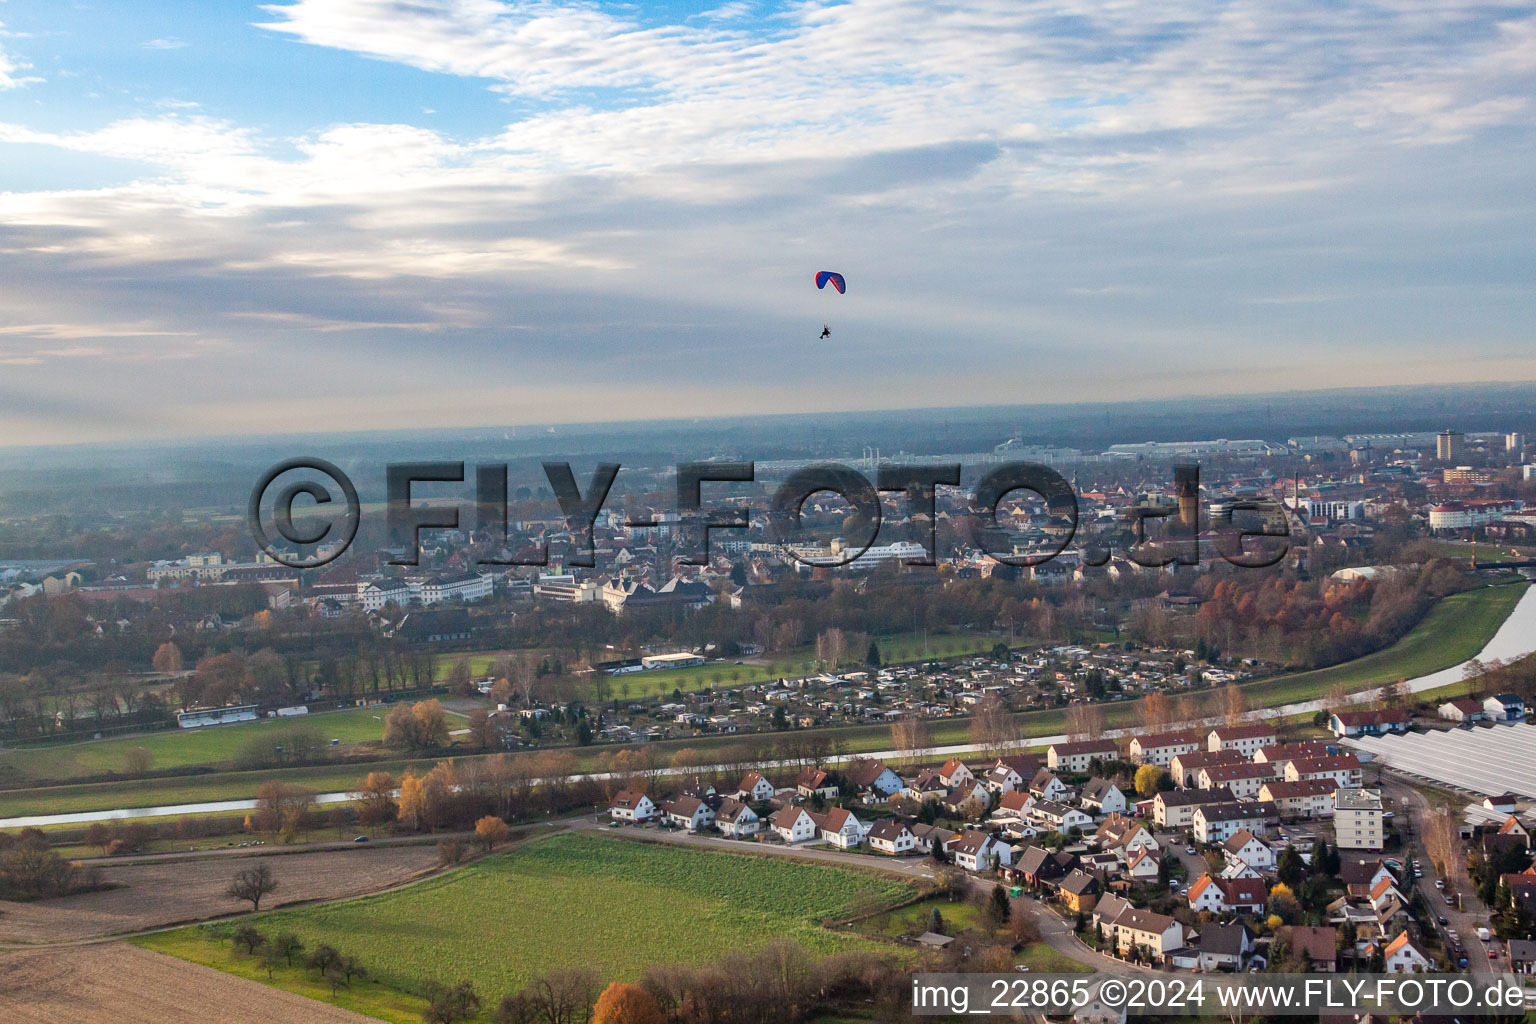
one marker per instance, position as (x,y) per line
(167,43)
(11,69)
(1093,185)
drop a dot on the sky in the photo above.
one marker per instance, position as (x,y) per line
(222,218)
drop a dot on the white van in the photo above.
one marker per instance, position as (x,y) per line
(1483,933)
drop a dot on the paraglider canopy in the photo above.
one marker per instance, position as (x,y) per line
(823,276)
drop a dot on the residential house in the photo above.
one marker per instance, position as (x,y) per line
(793,824)
(631,807)
(969,800)
(1058,816)
(1368,723)
(927,786)
(755,788)
(1249,849)
(1310,798)
(1343,769)
(872,780)
(973,850)
(1404,957)
(688,812)
(1244,780)
(839,827)
(891,837)
(1175,810)
(1245,739)
(1141,864)
(1156,935)
(1505,707)
(1102,796)
(813,782)
(1316,946)
(735,818)
(1013,806)
(1522,956)
(1216,823)
(1183,767)
(1124,833)
(1003,778)
(1467,709)
(1075,757)
(1219,895)
(1162,747)
(1358,819)
(1040,867)
(1105,912)
(924,836)
(954,772)
(1225,947)
(1046,786)
(1078,891)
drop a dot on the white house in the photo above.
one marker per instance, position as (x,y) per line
(954,772)
(1059,817)
(1403,957)
(1013,807)
(1102,796)
(793,825)
(1003,779)
(1161,748)
(873,779)
(973,850)
(1245,739)
(1075,757)
(1467,709)
(839,827)
(1046,786)
(754,787)
(1505,707)
(1158,934)
(631,807)
(737,819)
(688,812)
(1216,823)
(1247,848)
(891,837)
(1141,864)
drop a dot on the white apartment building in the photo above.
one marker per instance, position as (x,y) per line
(1358,819)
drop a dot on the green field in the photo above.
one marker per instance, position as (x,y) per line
(1454,630)
(613,905)
(180,748)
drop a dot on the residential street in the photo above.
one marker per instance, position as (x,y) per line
(1412,806)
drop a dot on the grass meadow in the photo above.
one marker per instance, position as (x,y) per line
(614,905)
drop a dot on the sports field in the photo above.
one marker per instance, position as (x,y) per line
(614,905)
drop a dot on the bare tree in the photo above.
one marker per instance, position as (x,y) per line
(1234,706)
(1085,721)
(992,726)
(912,738)
(251,884)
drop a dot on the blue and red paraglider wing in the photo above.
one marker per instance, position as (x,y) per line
(822,277)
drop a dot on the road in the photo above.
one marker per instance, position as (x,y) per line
(1411,807)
